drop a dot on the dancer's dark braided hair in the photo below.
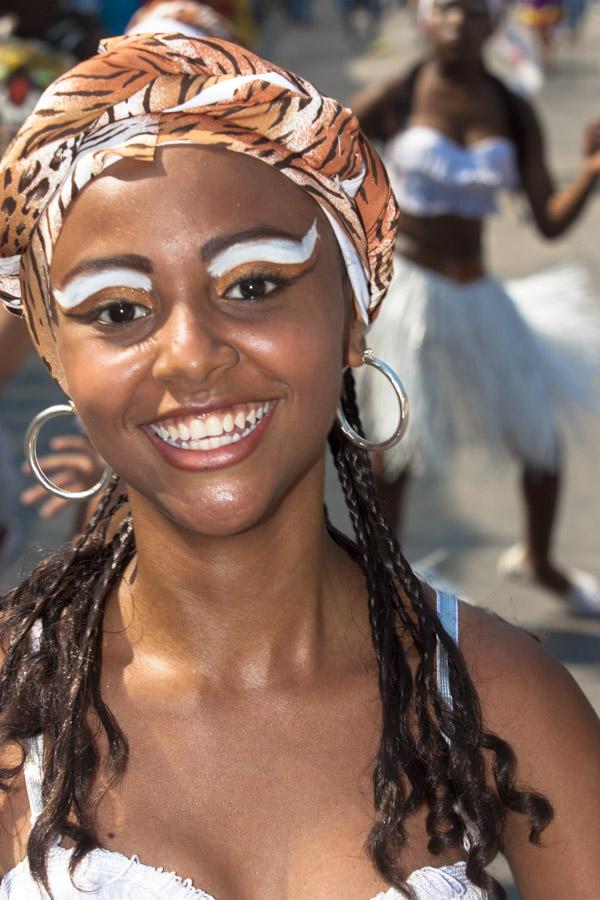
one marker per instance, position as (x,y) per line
(430,754)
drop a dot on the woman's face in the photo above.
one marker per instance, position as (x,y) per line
(203,325)
(458,29)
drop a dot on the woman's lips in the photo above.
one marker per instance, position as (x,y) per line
(207,441)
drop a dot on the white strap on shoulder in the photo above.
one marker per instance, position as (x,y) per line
(33,770)
(447,610)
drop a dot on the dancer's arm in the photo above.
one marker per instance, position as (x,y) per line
(555,210)
(529,699)
(381,109)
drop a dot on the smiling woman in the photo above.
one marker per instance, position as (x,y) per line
(228,686)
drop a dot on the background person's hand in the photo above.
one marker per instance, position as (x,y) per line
(73,464)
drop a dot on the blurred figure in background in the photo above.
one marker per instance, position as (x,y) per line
(38,42)
(240,16)
(575,11)
(67,26)
(360,16)
(479,357)
(542,17)
(116,13)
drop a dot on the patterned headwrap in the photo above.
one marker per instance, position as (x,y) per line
(180,17)
(146,91)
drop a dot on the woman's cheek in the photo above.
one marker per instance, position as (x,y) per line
(309,360)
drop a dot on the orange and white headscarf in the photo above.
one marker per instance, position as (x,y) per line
(146,91)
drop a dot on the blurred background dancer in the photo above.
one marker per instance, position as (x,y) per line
(38,41)
(477,356)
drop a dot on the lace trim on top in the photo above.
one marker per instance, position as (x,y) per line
(107,875)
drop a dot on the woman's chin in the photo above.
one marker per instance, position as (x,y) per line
(216,516)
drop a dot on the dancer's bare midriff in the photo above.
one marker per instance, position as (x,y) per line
(449,245)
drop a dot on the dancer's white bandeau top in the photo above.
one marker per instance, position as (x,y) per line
(107,875)
(433,175)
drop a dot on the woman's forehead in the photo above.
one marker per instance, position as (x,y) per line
(186,191)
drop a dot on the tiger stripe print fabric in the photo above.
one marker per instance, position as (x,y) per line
(181,16)
(144,91)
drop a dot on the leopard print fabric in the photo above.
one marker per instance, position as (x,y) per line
(144,91)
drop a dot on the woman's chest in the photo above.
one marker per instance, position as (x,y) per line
(464,116)
(253,799)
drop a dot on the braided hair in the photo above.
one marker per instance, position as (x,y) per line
(430,754)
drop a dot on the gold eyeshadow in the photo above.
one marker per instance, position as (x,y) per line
(264,269)
(103,298)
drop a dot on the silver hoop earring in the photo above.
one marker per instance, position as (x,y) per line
(31,437)
(391,376)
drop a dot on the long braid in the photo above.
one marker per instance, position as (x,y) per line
(68,786)
(429,753)
(49,689)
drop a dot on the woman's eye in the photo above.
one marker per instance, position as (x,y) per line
(253,288)
(121,313)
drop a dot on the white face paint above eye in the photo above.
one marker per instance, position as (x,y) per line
(85,285)
(282,251)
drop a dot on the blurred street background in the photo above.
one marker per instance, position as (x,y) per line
(459,524)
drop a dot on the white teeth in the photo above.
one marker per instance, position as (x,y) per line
(214,426)
(197,429)
(211,432)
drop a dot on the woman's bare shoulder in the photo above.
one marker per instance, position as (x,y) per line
(502,656)
(529,699)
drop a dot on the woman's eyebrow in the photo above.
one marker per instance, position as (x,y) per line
(279,248)
(125,261)
(90,280)
(224,241)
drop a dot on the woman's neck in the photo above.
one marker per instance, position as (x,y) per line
(467,71)
(278,600)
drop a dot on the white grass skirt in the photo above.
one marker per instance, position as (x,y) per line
(482,361)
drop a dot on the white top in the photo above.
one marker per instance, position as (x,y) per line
(433,175)
(107,875)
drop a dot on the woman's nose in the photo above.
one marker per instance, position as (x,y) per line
(192,349)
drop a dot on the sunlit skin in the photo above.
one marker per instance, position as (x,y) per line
(192,348)
(236,654)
